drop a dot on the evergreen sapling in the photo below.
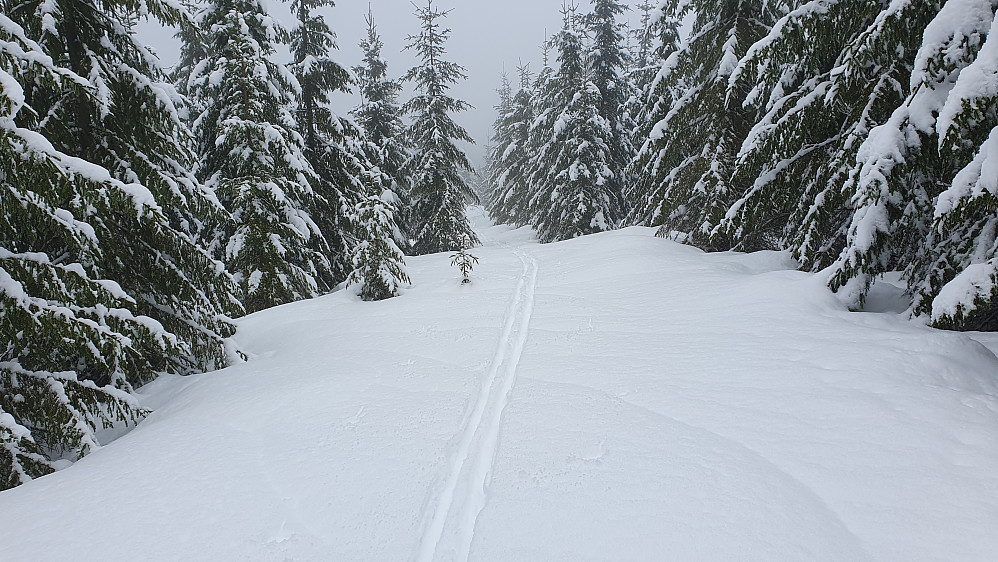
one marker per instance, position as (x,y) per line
(465,262)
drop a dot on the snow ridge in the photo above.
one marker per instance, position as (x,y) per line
(464,495)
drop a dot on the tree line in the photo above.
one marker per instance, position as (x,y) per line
(144,209)
(857,134)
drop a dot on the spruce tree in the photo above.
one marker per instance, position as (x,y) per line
(825,75)
(643,41)
(465,263)
(501,140)
(641,70)
(335,147)
(512,188)
(572,176)
(607,61)
(655,95)
(546,105)
(50,404)
(378,262)
(102,283)
(904,217)
(956,282)
(253,158)
(438,192)
(510,195)
(690,153)
(318,75)
(513,199)
(379,113)
(129,123)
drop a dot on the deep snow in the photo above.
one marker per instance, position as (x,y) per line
(616,397)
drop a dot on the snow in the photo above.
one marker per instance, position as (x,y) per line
(729,60)
(977,178)
(958,296)
(560,125)
(140,196)
(977,82)
(46,10)
(13,96)
(16,430)
(613,397)
(942,56)
(254,280)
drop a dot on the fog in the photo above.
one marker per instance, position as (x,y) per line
(486,38)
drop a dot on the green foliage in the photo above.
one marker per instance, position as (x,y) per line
(510,156)
(571,174)
(379,113)
(378,263)
(103,284)
(904,165)
(606,60)
(502,140)
(690,153)
(465,262)
(651,105)
(254,160)
(856,134)
(437,191)
(319,76)
(821,80)
(345,164)
(956,282)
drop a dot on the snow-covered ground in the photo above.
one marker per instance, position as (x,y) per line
(617,397)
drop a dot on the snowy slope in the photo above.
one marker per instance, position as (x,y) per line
(617,397)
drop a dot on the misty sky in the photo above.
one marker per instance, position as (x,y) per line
(485,36)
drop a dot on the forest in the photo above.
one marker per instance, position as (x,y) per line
(145,209)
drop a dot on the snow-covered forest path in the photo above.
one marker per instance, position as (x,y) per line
(464,494)
(615,397)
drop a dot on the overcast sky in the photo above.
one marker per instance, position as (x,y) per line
(486,35)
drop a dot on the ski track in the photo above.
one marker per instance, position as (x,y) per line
(464,494)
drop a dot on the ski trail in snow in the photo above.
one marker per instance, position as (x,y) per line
(464,494)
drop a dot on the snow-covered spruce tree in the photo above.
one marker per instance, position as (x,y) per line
(508,202)
(75,334)
(500,141)
(691,151)
(572,192)
(193,52)
(957,284)
(379,113)
(129,123)
(318,75)
(253,158)
(643,66)
(825,75)
(905,216)
(607,61)
(653,98)
(643,57)
(334,147)
(437,191)
(548,103)
(378,263)
(545,106)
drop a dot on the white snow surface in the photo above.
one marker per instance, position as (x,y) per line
(614,397)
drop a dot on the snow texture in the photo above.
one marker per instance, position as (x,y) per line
(613,397)
(958,296)
(978,81)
